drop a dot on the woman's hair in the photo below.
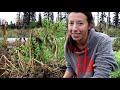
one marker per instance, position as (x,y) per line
(70,42)
(89,17)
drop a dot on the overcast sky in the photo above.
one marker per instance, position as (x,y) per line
(11,16)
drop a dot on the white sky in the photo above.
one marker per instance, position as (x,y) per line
(11,16)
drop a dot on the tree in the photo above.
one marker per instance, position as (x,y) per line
(108,23)
(102,23)
(19,21)
(27,18)
(103,15)
(49,16)
(32,16)
(32,24)
(39,23)
(59,16)
(116,19)
(0,22)
(52,17)
(12,25)
(64,15)
(98,18)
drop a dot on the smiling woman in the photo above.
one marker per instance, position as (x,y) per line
(88,53)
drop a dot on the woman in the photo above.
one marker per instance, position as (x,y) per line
(88,53)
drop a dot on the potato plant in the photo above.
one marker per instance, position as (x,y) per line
(39,56)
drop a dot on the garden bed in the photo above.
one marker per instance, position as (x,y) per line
(33,69)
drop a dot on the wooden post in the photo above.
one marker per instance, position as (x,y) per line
(4,27)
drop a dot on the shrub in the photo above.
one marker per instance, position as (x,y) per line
(113,32)
(116,74)
(117,42)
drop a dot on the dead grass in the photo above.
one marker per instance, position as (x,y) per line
(16,68)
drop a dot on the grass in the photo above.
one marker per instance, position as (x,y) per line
(14,33)
(116,74)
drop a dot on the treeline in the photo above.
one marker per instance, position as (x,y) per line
(111,21)
(27,20)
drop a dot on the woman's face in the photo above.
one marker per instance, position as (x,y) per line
(78,26)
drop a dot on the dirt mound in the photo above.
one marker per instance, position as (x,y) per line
(10,68)
(3,51)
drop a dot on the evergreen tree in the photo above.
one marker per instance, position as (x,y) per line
(98,18)
(32,16)
(103,15)
(65,15)
(59,16)
(12,25)
(32,24)
(27,18)
(49,16)
(52,17)
(109,21)
(0,22)
(39,23)
(19,21)
(116,19)
(101,22)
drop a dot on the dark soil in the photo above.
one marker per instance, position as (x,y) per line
(40,71)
